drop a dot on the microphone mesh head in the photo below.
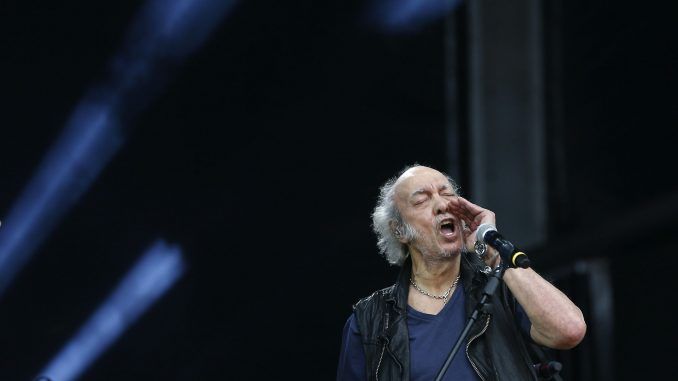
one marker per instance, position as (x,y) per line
(482,229)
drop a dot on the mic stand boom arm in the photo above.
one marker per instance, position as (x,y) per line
(480,309)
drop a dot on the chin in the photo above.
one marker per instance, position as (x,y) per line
(449,253)
(450,249)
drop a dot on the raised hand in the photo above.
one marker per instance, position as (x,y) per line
(473,215)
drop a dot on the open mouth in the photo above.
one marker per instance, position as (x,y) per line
(447,228)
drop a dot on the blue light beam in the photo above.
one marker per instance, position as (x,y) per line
(403,16)
(159,268)
(162,36)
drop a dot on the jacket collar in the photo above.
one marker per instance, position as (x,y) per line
(398,296)
(471,273)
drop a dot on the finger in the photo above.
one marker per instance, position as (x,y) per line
(470,207)
(471,212)
(462,213)
(458,205)
(475,213)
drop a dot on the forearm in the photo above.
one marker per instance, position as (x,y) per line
(556,321)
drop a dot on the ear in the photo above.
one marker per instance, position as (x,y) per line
(398,232)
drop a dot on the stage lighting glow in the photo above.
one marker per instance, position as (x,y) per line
(74,161)
(163,34)
(398,16)
(159,268)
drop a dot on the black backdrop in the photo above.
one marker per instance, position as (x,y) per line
(262,159)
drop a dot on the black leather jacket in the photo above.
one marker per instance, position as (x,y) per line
(496,348)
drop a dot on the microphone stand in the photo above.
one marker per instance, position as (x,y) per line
(481,309)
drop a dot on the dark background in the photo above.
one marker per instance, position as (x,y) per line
(262,159)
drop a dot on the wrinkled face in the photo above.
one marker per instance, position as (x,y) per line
(422,195)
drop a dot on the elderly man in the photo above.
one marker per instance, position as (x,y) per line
(406,331)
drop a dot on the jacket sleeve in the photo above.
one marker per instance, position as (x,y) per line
(352,355)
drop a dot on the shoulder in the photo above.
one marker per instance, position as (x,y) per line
(373,300)
(369,312)
(372,306)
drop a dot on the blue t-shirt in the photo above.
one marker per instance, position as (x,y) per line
(431,339)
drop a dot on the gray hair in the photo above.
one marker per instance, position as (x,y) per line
(386,213)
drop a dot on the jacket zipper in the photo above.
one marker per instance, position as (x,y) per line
(383,349)
(487,323)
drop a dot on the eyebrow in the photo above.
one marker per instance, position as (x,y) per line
(426,191)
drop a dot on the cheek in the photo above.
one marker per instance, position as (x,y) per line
(418,221)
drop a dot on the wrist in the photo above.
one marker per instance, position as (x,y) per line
(493,258)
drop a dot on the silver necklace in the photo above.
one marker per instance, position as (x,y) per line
(442,297)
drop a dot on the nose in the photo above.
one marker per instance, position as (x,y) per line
(440,205)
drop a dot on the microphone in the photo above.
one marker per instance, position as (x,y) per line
(548,370)
(510,254)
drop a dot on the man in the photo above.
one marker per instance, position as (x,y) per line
(406,331)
